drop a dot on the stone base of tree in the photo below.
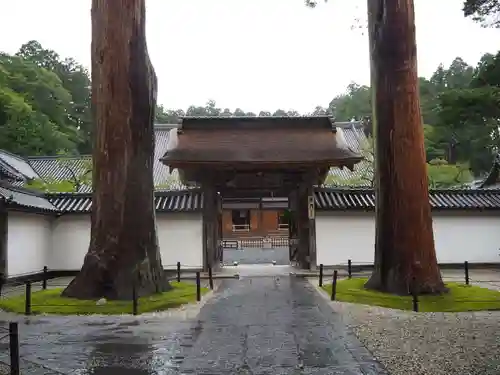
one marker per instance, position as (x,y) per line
(112,281)
(402,285)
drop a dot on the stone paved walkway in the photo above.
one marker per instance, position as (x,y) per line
(280,255)
(273,325)
(265,323)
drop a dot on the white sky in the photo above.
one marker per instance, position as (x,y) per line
(255,54)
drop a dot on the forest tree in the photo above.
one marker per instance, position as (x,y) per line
(123,252)
(405,256)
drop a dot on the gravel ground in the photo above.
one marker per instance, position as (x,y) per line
(426,343)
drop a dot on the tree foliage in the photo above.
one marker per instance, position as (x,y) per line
(171,116)
(78,178)
(44,103)
(440,173)
(45,107)
(485,11)
(459,107)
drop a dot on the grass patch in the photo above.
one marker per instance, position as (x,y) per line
(50,302)
(461,297)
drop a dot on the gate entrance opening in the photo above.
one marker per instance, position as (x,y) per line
(258,157)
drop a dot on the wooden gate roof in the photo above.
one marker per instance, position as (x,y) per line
(257,141)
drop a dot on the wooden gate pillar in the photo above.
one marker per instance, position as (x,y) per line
(293,232)
(220,250)
(306,226)
(303,227)
(311,213)
(210,226)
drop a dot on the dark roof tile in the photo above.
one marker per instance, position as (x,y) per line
(17,164)
(19,197)
(449,199)
(172,201)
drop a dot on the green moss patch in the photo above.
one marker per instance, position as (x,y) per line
(460,297)
(50,302)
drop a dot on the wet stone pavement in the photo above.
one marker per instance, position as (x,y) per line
(257,256)
(265,323)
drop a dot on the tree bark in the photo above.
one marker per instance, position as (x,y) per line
(3,242)
(404,243)
(123,248)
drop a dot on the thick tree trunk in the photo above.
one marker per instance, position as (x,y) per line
(123,247)
(3,242)
(404,243)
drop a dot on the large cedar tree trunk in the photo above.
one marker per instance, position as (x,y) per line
(3,242)
(404,243)
(123,247)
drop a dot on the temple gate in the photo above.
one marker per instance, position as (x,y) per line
(255,157)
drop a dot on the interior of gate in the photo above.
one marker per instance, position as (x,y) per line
(255,157)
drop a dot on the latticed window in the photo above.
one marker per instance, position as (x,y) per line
(282,220)
(241,220)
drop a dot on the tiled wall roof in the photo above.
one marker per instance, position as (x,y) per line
(326,199)
(172,201)
(17,165)
(449,199)
(356,139)
(16,197)
(61,169)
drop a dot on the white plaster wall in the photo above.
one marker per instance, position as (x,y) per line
(343,236)
(458,236)
(28,243)
(70,242)
(179,237)
(475,238)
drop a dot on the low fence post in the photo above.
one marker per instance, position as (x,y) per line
(134,299)
(27,304)
(334,286)
(414,295)
(321,275)
(210,278)
(466,268)
(44,280)
(349,268)
(198,287)
(178,272)
(14,348)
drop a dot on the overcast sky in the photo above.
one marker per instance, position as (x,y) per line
(253,54)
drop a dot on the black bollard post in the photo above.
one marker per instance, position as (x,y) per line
(349,268)
(14,348)
(45,275)
(334,286)
(414,295)
(210,278)
(321,275)
(178,272)
(198,287)
(466,268)
(27,305)
(134,299)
